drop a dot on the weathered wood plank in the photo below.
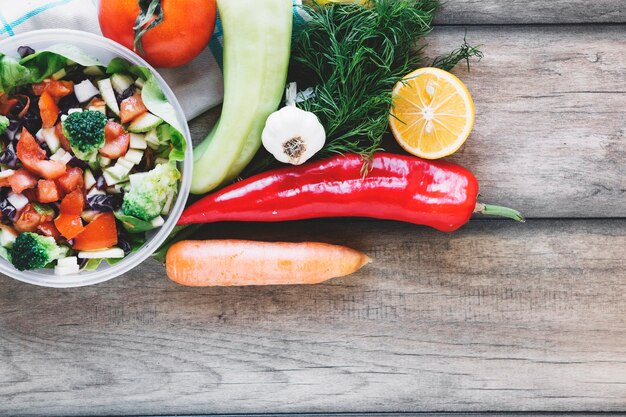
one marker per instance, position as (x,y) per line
(550,125)
(500,12)
(499,316)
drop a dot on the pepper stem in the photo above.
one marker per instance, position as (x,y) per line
(500,211)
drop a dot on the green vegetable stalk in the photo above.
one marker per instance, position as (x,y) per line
(257,40)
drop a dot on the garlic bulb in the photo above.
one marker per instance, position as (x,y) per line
(293,135)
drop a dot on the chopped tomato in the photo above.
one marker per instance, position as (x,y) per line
(132,107)
(73,203)
(6,104)
(96,102)
(19,181)
(49,229)
(116,141)
(65,144)
(47,191)
(101,233)
(48,109)
(28,221)
(69,225)
(113,129)
(22,180)
(71,180)
(56,88)
(34,158)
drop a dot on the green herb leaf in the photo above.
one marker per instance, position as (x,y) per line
(133,224)
(12,74)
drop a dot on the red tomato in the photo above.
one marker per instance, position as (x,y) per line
(49,229)
(34,158)
(47,191)
(69,222)
(54,88)
(116,141)
(101,233)
(28,221)
(71,180)
(69,225)
(73,203)
(48,109)
(20,180)
(132,107)
(185,31)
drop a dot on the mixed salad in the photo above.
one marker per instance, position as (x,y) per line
(88,160)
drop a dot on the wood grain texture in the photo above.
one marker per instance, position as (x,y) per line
(550,126)
(499,316)
(501,12)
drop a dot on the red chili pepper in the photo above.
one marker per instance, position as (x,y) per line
(403,188)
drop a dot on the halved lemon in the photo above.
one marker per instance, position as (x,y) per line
(432,113)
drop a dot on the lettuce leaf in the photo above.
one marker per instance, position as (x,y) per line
(133,224)
(46,62)
(167,133)
(12,74)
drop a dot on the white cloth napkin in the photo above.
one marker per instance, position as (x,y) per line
(198,86)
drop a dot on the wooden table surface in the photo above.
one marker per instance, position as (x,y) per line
(497,317)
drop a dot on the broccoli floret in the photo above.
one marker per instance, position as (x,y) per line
(33,251)
(4,124)
(85,132)
(149,191)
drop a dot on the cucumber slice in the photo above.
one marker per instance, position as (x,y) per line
(118,172)
(52,140)
(89,179)
(121,82)
(59,74)
(70,261)
(157,222)
(126,163)
(144,123)
(168,203)
(139,82)
(102,254)
(138,141)
(94,70)
(104,161)
(110,179)
(108,95)
(152,139)
(85,90)
(134,155)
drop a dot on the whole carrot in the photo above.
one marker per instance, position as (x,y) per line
(238,262)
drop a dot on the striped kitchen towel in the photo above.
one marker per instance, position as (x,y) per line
(199,85)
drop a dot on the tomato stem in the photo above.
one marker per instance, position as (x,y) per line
(499,211)
(150,15)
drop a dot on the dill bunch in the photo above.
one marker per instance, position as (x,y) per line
(353,55)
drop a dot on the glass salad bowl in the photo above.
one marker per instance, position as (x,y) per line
(104,50)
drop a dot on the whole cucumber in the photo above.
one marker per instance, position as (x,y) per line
(257,42)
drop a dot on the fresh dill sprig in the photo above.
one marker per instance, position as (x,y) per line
(463,53)
(353,55)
